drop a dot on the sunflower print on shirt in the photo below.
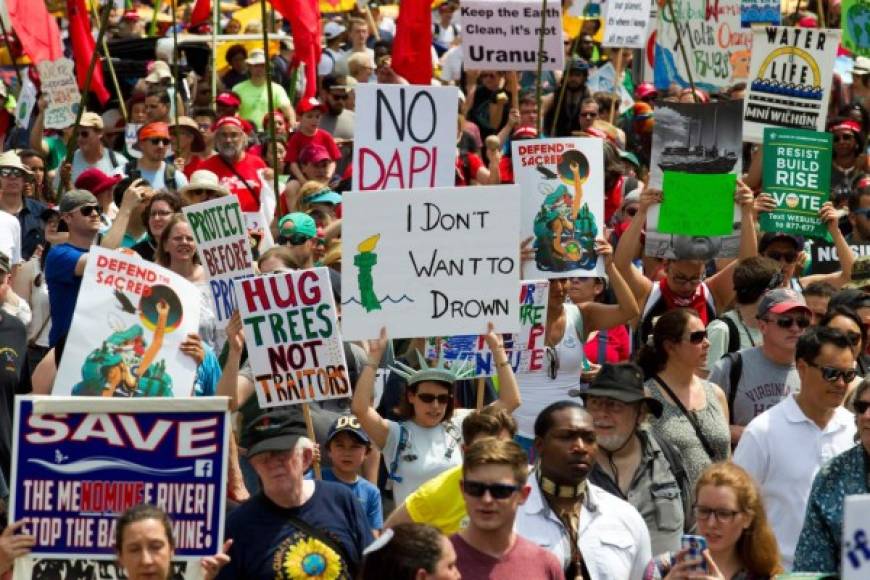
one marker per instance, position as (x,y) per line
(301,557)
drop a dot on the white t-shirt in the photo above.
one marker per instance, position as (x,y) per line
(782,449)
(539,389)
(451,64)
(10,237)
(433,449)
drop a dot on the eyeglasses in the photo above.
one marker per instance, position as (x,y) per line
(789,257)
(697,337)
(496,490)
(161,213)
(630,211)
(861,407)
(156,141)
(832,375)
(786,322)
(605,404)
(10,172)
(681,280)
(722,516)
(89,210)
(429,398)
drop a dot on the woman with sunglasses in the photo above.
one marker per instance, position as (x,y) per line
(818,549)
(427,439)
(695,416)
(568,327)
(731,517)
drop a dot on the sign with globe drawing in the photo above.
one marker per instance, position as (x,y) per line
(856,26)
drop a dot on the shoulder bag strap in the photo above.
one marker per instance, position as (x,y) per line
(322,536)
(239,175)
(691,418)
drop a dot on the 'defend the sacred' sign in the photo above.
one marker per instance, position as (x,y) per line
(797,173)
(405,136)
(506,35)
(78,463)
(291,331)
(430,262)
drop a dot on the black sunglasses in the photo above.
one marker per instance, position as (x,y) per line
(84,134)
(294,240)
(89,210)
(853,337)
(11,172)
(861,407)
(831,374)
(429,398)
(786,322)
(789,257)
(698,336)
(496,490)
(846,137)
(159,141)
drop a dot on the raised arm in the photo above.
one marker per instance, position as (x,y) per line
(721,284)
(132,197)
(509,390)
(828,215)
(629,247)
(603,316)
(231,383)
(361,405)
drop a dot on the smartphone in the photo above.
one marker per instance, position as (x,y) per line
(694,547)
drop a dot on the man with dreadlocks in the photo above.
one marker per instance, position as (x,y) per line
(427,440)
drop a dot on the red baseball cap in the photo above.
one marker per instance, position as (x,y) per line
(95,181)
(310,104)
(313,153)
(228,120)
(229,99)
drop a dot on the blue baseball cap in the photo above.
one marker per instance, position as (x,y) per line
(325,195)
(347,424)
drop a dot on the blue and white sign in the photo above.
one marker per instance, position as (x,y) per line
(856,538)
(79,462)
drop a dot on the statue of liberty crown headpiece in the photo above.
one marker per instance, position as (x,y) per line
(442,371)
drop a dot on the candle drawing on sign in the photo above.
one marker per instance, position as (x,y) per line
(365,261)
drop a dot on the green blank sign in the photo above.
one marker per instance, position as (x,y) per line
(697,204)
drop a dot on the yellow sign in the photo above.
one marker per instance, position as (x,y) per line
(334,6)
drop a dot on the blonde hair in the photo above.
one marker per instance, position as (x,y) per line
(493,451)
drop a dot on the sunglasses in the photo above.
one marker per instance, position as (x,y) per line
(786,322)
(861,407)
(338,96)
(864,211)
(846,137)
(697,337)
(789,257)
(11,172)
(84,134)
(159,141)
(295,239)
(496,490)
(197,192)
(832,375)
(89,210)
(429,398)
(853,337)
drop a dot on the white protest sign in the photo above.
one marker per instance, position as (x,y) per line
(26,103)
(505,35)
(58,82)
(430,262)
(525,349)
(562,181)
(130,320)
(625,23)
(790,80)
(856,538)
(131,137)
(405,137)
(292,336)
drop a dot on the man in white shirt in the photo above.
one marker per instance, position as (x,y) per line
(784,447)
(594,534)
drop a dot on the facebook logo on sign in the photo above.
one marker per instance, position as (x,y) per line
(203,468)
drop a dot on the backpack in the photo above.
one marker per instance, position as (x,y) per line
(733,334)
(392,471)
(734,373)
(169,181)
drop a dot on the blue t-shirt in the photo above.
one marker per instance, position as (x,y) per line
(63,287)
(208,374)
(265,539)
(367,494)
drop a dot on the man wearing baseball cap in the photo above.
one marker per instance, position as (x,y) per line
(90,153)
(787,249)
(154,141)
(305,527)
(298,231)
(237,170)
(253,93)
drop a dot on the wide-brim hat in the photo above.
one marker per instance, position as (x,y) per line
(11,159)
(190,126)
(204,179)
(623,382)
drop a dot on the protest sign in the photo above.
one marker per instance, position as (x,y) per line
(625,23)
(430,262)
(854,23)
(58,82)
(701,140)
(77,464)
(797,173)
(26,103)
(506,35)
(825,259)
(524,349)
(686,213)
(791,79)
(759,12)
(223,248)
(856,537)
(131,137)
(292,335)
(562,181)
(406,138)
(718,50)
(130,320)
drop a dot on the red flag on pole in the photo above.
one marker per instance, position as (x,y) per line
(304,18)
(36,29)
(412,47)
(83,47)
(201,12)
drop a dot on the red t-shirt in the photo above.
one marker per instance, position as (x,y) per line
(524,559)
(248,191)
(464,174)
(299,141)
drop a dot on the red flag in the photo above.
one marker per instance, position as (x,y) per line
(83,47)
(36,29)
(201,12)
(304,18)
(412,47)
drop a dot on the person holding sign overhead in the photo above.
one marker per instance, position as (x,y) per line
(428,440)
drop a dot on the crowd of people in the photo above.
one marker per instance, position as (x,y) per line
(683,402)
